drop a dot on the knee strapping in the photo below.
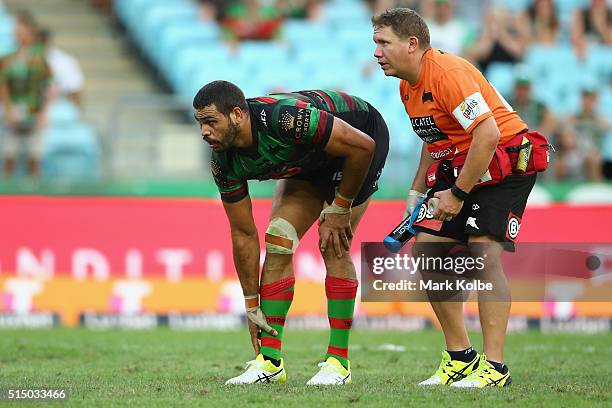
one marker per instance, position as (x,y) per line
(281,237)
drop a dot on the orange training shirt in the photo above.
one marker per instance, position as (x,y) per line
(449,100)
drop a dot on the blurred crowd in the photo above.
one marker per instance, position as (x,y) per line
(33,75)
(491,35)
(486,32)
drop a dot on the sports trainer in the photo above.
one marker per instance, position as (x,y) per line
(328,148)
(470,160)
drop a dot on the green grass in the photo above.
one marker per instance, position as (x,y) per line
(164,368)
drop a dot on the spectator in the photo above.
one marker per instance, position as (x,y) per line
(67,75)
(542,21)
(502,39)
(251,20)
(299,9)
(24,80)
(535,113)
(591,128)
(213,10)
(447,33)
(592,25)
(569,162)
(581,141)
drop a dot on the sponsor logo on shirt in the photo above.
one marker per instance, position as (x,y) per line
(262,116)
(425,127)
(287,121)
(302,122)
(470,109)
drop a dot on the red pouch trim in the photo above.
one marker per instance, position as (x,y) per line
(498,170)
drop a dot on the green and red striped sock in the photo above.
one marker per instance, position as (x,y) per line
(341,294)
(276,298)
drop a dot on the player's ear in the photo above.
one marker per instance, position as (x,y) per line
(237,114)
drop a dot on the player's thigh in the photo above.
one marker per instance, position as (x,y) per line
(298,202)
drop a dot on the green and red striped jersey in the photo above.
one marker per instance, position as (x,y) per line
(290,131)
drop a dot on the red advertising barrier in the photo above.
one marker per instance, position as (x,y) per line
(131,255)
(179,238)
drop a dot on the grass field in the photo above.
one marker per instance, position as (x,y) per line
(164,368)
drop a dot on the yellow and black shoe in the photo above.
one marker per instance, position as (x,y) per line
(484,376)
(451,371)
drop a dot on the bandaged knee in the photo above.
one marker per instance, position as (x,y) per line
(281,237)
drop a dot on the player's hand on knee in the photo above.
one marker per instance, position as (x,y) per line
(335,230)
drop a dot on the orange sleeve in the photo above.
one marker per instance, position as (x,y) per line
(462,99)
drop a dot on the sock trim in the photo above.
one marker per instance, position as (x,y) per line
(342,324)
(271,342)
(270,289)
(338,351)
(340,288)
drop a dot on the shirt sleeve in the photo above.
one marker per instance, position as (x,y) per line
(231,190)
(462,99)
(301,123)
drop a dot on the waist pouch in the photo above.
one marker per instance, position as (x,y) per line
(448,170)
(536,161)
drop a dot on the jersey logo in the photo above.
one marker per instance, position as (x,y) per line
(427,96)
(262,116)
(287,121)
(425,127)
(302,123)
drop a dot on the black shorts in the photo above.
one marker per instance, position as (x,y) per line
(329,178)
(493,210)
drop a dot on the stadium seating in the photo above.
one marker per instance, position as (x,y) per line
(71,153)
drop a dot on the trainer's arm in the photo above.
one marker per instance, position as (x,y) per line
(245,243)
(484,141)
(358,149)
(418,184)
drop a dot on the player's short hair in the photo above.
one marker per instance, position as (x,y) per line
(223,94)
(404,23)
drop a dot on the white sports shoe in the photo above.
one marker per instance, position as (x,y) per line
(260,371)
(331,373)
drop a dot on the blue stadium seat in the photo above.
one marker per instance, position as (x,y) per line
(599,63)
(191,59)
(501,75)
(339,15)
(547,60)
(149,29)
(71,153)
(257,56)
(62,112)
(176,37)
(7,39)
(303,33)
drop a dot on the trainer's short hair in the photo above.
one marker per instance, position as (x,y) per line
(405,23)
(223,94)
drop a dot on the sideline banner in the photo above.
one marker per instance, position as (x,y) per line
(131,255)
